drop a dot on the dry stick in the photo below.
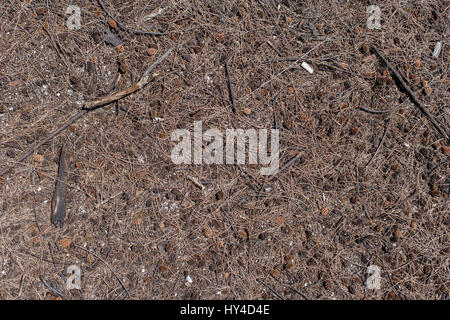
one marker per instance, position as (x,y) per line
(89,106)
(230,89)
(53,289)
(136,31)
(285,166)
(46,139)
(411,94)
(379,146)
(374,111)
(106,264)
(271,289)
(291,288)
(59,196)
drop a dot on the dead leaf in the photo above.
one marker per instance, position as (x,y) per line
(279,220)
(90,258)
(65,242)
(14,83)
(38,158)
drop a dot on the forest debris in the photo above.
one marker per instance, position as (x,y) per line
(437,49)
(93,104)
(120,25)
(307,67)
(313,28)
(230,88)
(112,38)
(410,93)
(146,78)
(65,242)
(59,196)
(196,182)
(285,166)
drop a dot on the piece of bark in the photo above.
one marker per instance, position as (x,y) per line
(59,196)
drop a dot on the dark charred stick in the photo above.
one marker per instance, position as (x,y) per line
(410,93)
(59,196)
(285,166)
(374,111)
(230,89)
(36,220)
(275,117)
(271,289)
(59,294)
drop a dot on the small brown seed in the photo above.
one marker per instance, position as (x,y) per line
(208,232)
(151,51)
(219,195)
(328,285)
(112,23)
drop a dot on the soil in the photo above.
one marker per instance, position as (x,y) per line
(366,189)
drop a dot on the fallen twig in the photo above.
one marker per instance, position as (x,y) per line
(291,288)
(379,145)
(285,166)
(196,182)
(89,106)
(271,289)
(59,294)
(46,139)
(136,31)
(411,94)
(59,197)
(106,264)
(230,88)
(102,101)
(374,111)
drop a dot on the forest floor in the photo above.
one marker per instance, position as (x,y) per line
(369,189)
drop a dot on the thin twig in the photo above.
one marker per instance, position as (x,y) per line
(271,289)
(285,166)
(106,264)
(91,105)
(102,101)
(230,88)
(411,94)
(379,145)
(47,139)
(136,31)
(374,111)
(59,294)
(60,193)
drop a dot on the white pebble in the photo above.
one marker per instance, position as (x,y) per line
(437,49)
(307,67)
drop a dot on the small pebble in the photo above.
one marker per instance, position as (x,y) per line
(247,111)
(437,49)
(307,67)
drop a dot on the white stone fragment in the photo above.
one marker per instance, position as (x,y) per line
(307,67)
(437,49)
